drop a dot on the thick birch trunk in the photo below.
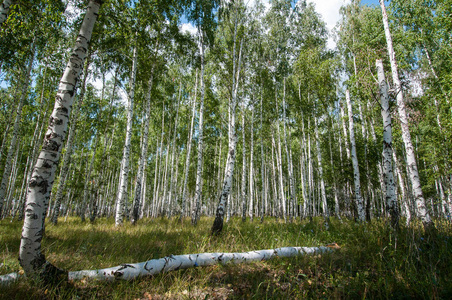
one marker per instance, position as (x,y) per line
(15,132)
(124,174)
(4,10)
(358,197)
(421,209)
(70,139)
(388,176)
(144,152)
(31,258)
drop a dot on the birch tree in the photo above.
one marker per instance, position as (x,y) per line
(217,226)
(421,209)
(389,182)
(354,157)
(31,258)
(124,173)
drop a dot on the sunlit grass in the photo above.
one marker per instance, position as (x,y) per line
(373,261)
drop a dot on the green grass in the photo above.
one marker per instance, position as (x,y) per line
(373,262)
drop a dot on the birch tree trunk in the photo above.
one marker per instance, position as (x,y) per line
(326,213)
(388,176)
(4,10)
(31,258)
(263,191)
(187,158)
(421,209)
(292,199)
(217,226)
(281,175)
(9,156)
(359,199)
(70,139)
(243,191)
(251,180)
(198,191)
(144,152)
(124,173)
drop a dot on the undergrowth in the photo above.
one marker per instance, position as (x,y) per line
(373,262)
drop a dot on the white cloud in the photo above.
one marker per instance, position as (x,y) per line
(188,27)
(329,9)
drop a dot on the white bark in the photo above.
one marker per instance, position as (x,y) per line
(124,173)
(31,258)
(281,179)
(251,177)
(177,262)
(421,209)
(68,153)
(189,143)
(292,199)
(198,191)
(326,213)
(243,190)
(217,226)
(358,197)
(144,152)
(388,176)
(4,10)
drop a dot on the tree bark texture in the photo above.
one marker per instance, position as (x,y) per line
(388,175)
(31,258)
(421,209)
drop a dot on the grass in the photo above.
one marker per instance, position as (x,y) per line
(373,261)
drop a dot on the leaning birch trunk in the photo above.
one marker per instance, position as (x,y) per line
(31,258)
(169,263)
(144,153)
(359,199)
(124,173)
(198,191)
(15,133)
(217,226)
(187,158)
(326,213)
(243,190)
(421,209)
(391,200)
(4,10)
(68,153)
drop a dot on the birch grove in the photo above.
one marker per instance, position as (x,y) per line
(213,111)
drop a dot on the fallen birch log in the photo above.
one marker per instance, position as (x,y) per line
(176,262)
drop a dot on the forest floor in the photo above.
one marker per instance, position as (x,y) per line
(373,262)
